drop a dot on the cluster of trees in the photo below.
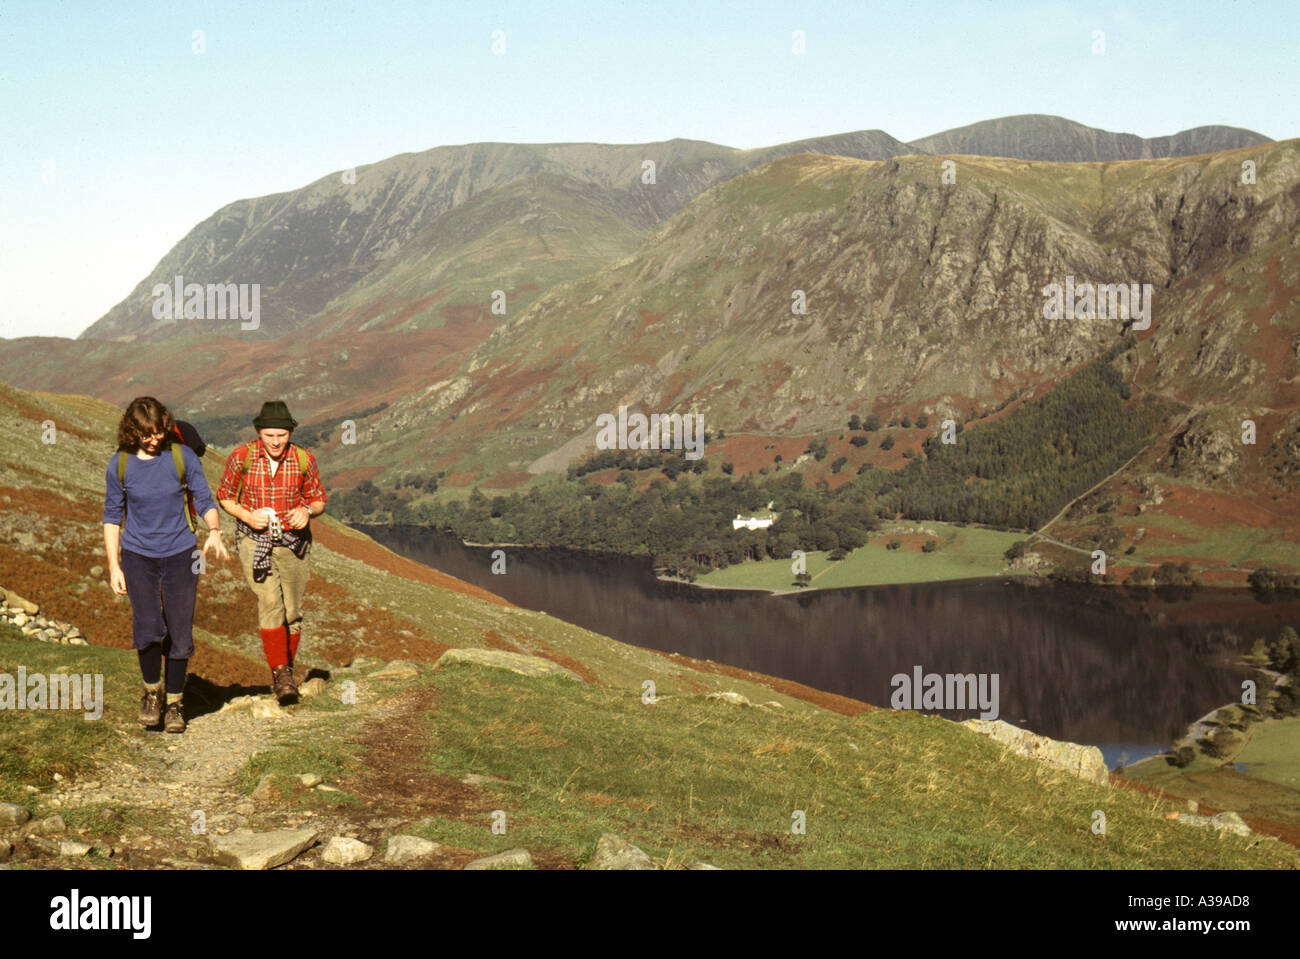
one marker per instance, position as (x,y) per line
(1016,472)
(1281,654)
(666,460)
(871,423)
(419,481)
(1019,471)
(685,525)
(366,499)
(1268,580)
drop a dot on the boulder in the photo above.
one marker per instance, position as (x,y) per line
(500,659)
(397,669)
(72,849)
(12,814)
(342,851)
(313,687)
(51,847)
(266,791)
(266,707)
(245,849)
(404,849)
(1083,761)
(1230,822)
(614,852)
(310,780)
(510,859)
(17,602)
(730,696)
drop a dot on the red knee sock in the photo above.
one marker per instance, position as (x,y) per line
(293,645)
(275,647)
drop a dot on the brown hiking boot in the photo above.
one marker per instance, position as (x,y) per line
(282,684)
(175,722)
(151,708)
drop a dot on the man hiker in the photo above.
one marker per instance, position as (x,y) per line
(272,487)
(148,519)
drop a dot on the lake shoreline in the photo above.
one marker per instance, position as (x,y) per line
(1021,576)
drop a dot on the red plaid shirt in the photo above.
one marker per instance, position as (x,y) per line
(287,490)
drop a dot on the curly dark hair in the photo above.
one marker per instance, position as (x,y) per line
(144,417)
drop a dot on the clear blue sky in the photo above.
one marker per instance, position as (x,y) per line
(120,138)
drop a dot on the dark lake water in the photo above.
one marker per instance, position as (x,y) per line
(1125,670)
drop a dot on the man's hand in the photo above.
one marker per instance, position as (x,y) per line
(297,518)
(257,519)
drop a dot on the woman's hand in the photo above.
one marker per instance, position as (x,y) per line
(117,580)
(214,542)
(297,518)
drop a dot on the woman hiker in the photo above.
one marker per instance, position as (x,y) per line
(272,487)
(146,513)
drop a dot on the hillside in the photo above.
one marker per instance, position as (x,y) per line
(923,297)
(433,753)
(1055,139)
(922,300)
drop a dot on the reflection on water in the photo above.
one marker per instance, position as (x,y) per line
(1125,670)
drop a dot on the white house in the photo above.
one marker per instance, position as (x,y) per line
(755,522)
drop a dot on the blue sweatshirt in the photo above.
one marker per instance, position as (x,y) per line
(155,514)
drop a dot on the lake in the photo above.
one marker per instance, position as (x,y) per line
(1125,670)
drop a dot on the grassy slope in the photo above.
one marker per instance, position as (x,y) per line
(963,553)
(686,777)
(689,778)
(521,237)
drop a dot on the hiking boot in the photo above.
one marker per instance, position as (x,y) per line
(175,721)
(282,684)
(151,708)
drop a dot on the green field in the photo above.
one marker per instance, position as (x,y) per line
(688,779)
(1273,752)
(963,553)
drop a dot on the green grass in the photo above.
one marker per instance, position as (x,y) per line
(36,744)
(692,779)
(1231,544)
(963,553)
(1273,752)
(324,753)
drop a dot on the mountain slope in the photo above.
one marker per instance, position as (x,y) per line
(918,293)
(1037,136)
(308,246)
(437,753)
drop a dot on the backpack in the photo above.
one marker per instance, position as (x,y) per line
(189,437)
(248,463)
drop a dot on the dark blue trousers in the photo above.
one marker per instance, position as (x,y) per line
(162,595)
